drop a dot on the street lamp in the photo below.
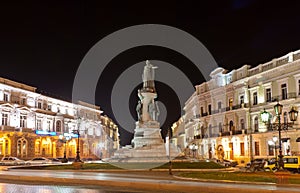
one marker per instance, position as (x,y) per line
(77,158)
(193,147)
(278,111)
(64,139)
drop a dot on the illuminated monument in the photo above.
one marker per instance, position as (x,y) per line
(147,144)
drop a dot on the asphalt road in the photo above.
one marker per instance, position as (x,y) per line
(142,181)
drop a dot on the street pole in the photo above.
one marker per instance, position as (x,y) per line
(77,159)
(280,162)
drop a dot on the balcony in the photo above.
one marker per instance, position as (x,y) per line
(291,95)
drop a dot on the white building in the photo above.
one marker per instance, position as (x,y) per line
(224,112)
(33,124)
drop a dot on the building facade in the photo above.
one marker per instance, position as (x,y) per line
(223,114)
(33,124)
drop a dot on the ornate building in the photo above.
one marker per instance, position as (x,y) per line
(224,112)
(33,124)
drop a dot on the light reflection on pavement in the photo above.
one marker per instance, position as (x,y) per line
(141,177)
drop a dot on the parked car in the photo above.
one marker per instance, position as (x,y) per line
(270,164)
(256,161)
(11,161)
(230,163)
(39,160)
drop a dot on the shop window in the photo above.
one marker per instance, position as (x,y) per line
(22,148)
(4,147)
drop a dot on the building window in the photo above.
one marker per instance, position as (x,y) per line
(242,99)
(38,124)
(48,125)
(256,148)
(201,111)
(209,109)
(255,98)
(231,126)
(4,118)
(5,97)
(271,150)
(209,130)
(242,149)
(284,91)
(39,105)
(23,121)
(49,107)
(242,124)
(23,101)
(230,103)
(4,147)
(219,105)
(268,95)
(298,87)
(58,126)
(256,124)
(22,148)
(220,128)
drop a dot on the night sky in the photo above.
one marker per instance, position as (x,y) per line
(42,44)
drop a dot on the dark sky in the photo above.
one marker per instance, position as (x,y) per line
(42,44)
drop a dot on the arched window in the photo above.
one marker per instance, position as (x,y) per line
(22,147)
(58,126)
(256,124)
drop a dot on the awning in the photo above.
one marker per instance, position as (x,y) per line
(298,139)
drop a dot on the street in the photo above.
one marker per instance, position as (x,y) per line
(124,181)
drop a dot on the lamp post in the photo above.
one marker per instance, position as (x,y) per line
(64,139)
(193,147)
(77,158)
(278,111)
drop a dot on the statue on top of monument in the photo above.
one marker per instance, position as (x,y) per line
(148,77)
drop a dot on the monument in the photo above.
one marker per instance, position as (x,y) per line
(147,143)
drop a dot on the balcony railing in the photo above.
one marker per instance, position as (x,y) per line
(237,132)
(290,95)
